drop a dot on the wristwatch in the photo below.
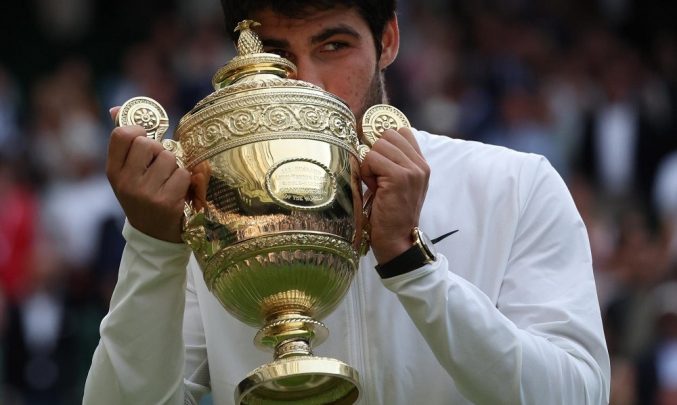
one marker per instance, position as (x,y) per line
(421,252)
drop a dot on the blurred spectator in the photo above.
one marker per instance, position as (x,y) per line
(622,145)
(37,363)
(665,199)
(52,330)
(523,126)
(639,266)
(18,218)
(69,141)
(657,373)
(66,134)
(569,94)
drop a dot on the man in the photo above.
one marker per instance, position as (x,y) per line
(504,312)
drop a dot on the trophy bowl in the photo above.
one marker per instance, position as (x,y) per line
(275,215)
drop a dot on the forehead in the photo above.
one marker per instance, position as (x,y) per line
(278,26)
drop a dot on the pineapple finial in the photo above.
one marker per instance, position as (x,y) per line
(248,42)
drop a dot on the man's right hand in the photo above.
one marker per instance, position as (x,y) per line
(147,181)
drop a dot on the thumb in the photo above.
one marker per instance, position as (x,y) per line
(114,113)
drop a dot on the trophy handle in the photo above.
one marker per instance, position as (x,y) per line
(145,112)
(377,119)
(149,114)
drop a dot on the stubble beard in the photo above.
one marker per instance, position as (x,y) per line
(375,94)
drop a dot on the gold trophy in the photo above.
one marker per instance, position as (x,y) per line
(276,217)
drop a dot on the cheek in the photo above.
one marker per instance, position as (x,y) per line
(352,85)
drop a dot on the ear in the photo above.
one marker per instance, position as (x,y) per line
(390,43)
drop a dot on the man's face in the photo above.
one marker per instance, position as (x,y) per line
(333,49)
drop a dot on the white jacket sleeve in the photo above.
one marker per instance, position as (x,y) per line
(542,341)
(140,357)
(196,370)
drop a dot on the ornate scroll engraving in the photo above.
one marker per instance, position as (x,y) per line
(258,114)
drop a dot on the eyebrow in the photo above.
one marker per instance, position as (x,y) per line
(329,32)
(315,39)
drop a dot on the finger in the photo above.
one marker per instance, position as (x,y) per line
(161,169)
(387,173)
(177,185)
(406,143)
(198,190)
(368,179)
(377,165)
(394,148)
(119,145)
(114,112)
(366,174)
(408,134)
(141,154)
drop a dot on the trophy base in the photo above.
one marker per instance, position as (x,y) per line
(300,380)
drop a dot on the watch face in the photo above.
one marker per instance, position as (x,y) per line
(426,244)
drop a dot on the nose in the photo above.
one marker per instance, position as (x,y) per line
(308,71)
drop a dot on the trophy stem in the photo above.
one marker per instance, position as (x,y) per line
(291,334)
(293,347)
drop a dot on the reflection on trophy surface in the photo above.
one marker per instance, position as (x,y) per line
(275,217)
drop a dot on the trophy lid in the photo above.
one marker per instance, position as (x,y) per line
(251,59)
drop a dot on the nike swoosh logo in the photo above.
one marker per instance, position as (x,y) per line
(441,237)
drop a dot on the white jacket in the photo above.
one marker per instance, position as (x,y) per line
(508,314)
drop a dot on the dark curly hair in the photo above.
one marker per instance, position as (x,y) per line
(375,12)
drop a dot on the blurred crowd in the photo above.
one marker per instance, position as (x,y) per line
(591,85)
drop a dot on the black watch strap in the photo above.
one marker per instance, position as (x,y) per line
(410,259)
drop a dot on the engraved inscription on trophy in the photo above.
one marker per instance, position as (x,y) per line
(301,184)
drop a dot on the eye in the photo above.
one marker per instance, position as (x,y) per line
(334,46)
(281,52)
